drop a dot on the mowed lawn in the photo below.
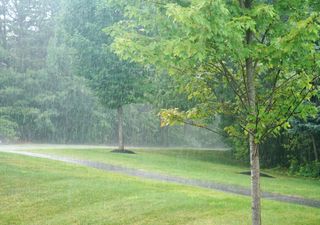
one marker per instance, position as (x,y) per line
(206,165)
(40,191)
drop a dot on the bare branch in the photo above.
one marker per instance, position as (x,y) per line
(192,123)
(264,36)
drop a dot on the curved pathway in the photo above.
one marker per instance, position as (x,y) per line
(167,178)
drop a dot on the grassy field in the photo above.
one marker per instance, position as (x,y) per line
(205,164)
(39,191)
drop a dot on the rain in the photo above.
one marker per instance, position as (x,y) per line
(159,112)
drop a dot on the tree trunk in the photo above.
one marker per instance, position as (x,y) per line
(120,129)
(255,182)
(316,157)
(254,150)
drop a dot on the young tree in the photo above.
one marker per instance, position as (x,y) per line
(264,51)
(114,81)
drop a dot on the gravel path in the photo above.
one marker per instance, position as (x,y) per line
(172,179)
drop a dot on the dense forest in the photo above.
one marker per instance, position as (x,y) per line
(64,80)
(45,94)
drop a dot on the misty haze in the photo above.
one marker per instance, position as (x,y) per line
(159,112)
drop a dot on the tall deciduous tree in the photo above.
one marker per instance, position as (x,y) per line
(264,51)
(115,82)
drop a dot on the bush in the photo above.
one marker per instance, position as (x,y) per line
(311,169)
(7,130)
(294,166)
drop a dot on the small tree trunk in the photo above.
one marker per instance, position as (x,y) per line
(255,182)
(120,129)
(254,150)
(316,157)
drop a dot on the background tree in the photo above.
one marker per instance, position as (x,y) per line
(114,81)
(41,101)
(263,50)
(310,130)
(26,27)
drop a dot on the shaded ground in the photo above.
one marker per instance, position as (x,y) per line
(248,173)
(173,179)
(125,151)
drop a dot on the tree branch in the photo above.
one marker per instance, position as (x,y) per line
(290,112)
(191,123)
(233,84)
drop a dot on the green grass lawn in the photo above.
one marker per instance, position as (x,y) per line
(38,191)
(205,164)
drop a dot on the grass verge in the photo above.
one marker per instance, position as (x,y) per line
(207,165)
(39,191)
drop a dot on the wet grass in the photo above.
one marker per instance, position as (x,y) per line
(39,191)
(208,165)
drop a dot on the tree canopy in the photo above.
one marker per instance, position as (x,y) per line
(116,82)
(264,51)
